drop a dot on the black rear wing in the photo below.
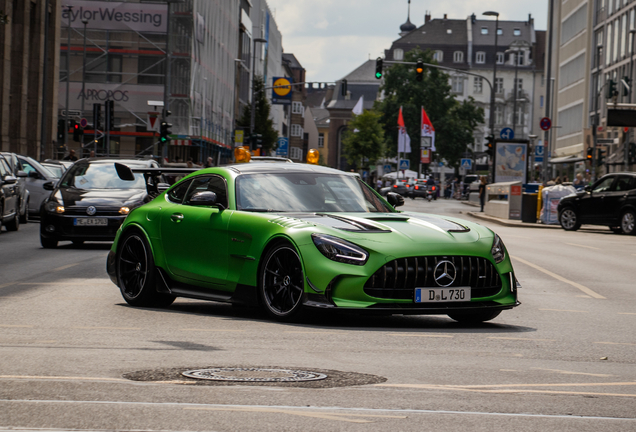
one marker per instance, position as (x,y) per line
(155,181)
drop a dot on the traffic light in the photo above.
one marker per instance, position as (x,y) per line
(110,114)
(60,130)
(632,153)
(97,117)
(490,145)
(627,81)
(165,131)
(419,70)
(600,157)
(611,89)
(257,140)
(343,87)
(378,68)
(78,132)
(590,153)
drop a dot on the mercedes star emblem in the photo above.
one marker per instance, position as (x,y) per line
(445,273)
(91,210)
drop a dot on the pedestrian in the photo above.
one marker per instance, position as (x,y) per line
(379,184)
(71,156)
(92,153)
(482,192)
(209,162)
(579,183)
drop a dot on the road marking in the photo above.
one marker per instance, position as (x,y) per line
(37,377)
(522,339)
(310,332)
(210,330)
(585,289)
(319,408)
(15,326)
(583,246)
(65,267)
(572,373)
(420,335)
(615,343)
(563,310)
(106,328)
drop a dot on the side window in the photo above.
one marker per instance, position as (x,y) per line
(176,194)
(623,183)
(26,167)
(4,168)
(604,185)
(214,184)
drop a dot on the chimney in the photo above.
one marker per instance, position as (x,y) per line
(445,17)
(530,19)
(427,17)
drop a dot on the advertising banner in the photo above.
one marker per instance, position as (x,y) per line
(282,91)
(127,97)
(511,162)
(105,15)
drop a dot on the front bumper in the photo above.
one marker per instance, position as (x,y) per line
(63,227)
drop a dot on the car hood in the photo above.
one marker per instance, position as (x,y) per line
(74,197)
(380,229)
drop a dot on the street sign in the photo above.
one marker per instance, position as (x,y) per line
(426,142)
(545,124)
(467,164)
(71,113)
(152,124)
(387,168)
(507,134)
(83,122)
(404,164)
(538,153)
(607,141)
(425,156)
(239,138)
(282,90)
(283,145)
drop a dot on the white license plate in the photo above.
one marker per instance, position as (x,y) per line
(442,295)
(90,222)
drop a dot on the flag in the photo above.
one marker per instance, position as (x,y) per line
(427,129)
(357,110)
(404,141)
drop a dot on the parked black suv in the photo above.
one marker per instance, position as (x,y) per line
(611,201)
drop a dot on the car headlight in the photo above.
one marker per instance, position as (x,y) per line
(498,249)
(54,207)
(130,206)
(337,249)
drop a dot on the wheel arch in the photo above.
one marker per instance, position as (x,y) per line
(136,227)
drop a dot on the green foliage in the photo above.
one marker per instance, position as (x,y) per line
(367,145)
(454,121)
(263,125)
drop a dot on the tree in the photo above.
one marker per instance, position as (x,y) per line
(364,139)
(263,125)
(454,121)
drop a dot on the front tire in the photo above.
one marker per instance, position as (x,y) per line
(474,317)
(136,273)
(628,222)
(569,220)
(282,282)
(14,225)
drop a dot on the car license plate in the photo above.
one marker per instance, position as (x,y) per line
(90,221)
(439,295)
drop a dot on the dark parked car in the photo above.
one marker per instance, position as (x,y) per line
(419,189)
(9,197)
(23,195)
(611,201)
(90,201)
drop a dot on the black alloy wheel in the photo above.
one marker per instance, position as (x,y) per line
(14,224)
(136,273)
(628,222)
(569,220)
(281,282)
(474,317)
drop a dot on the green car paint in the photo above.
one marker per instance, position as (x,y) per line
(222,249)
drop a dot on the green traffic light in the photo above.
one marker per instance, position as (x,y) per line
(378,75)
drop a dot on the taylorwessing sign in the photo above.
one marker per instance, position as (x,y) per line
(141,17)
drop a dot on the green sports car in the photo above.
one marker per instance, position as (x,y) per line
(294,236)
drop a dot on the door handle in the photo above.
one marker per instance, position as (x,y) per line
(177,217)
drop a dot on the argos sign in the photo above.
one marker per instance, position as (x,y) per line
(141,17)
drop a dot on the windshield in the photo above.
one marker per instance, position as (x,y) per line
(306,192)
(100,176)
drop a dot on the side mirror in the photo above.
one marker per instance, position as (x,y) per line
(22,174)
(205,198)
(394,199)
(49,186)
(162,187)
(9,179)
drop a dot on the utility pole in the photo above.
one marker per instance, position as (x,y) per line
(69,9)
(45,69)
(546,142)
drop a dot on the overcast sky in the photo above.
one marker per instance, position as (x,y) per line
(330,38)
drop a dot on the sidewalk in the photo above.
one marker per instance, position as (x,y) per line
(506,222)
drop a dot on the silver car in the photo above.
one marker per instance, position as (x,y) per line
(38,175)
(23,194)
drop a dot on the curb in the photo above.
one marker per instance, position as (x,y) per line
(509,223)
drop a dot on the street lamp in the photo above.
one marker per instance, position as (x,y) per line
(85,22)
(253,110)
(631,86)
(494,88)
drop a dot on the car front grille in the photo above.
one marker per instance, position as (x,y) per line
(398,279)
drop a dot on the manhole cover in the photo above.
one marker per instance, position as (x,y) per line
(254,375)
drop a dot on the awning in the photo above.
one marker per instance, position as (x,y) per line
(566,159)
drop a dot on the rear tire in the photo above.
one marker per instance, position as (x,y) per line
(24,217)
(136,273)
(474,317)
(14,225)
(628,222)
(569,220)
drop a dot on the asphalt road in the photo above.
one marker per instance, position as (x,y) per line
(564,360)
